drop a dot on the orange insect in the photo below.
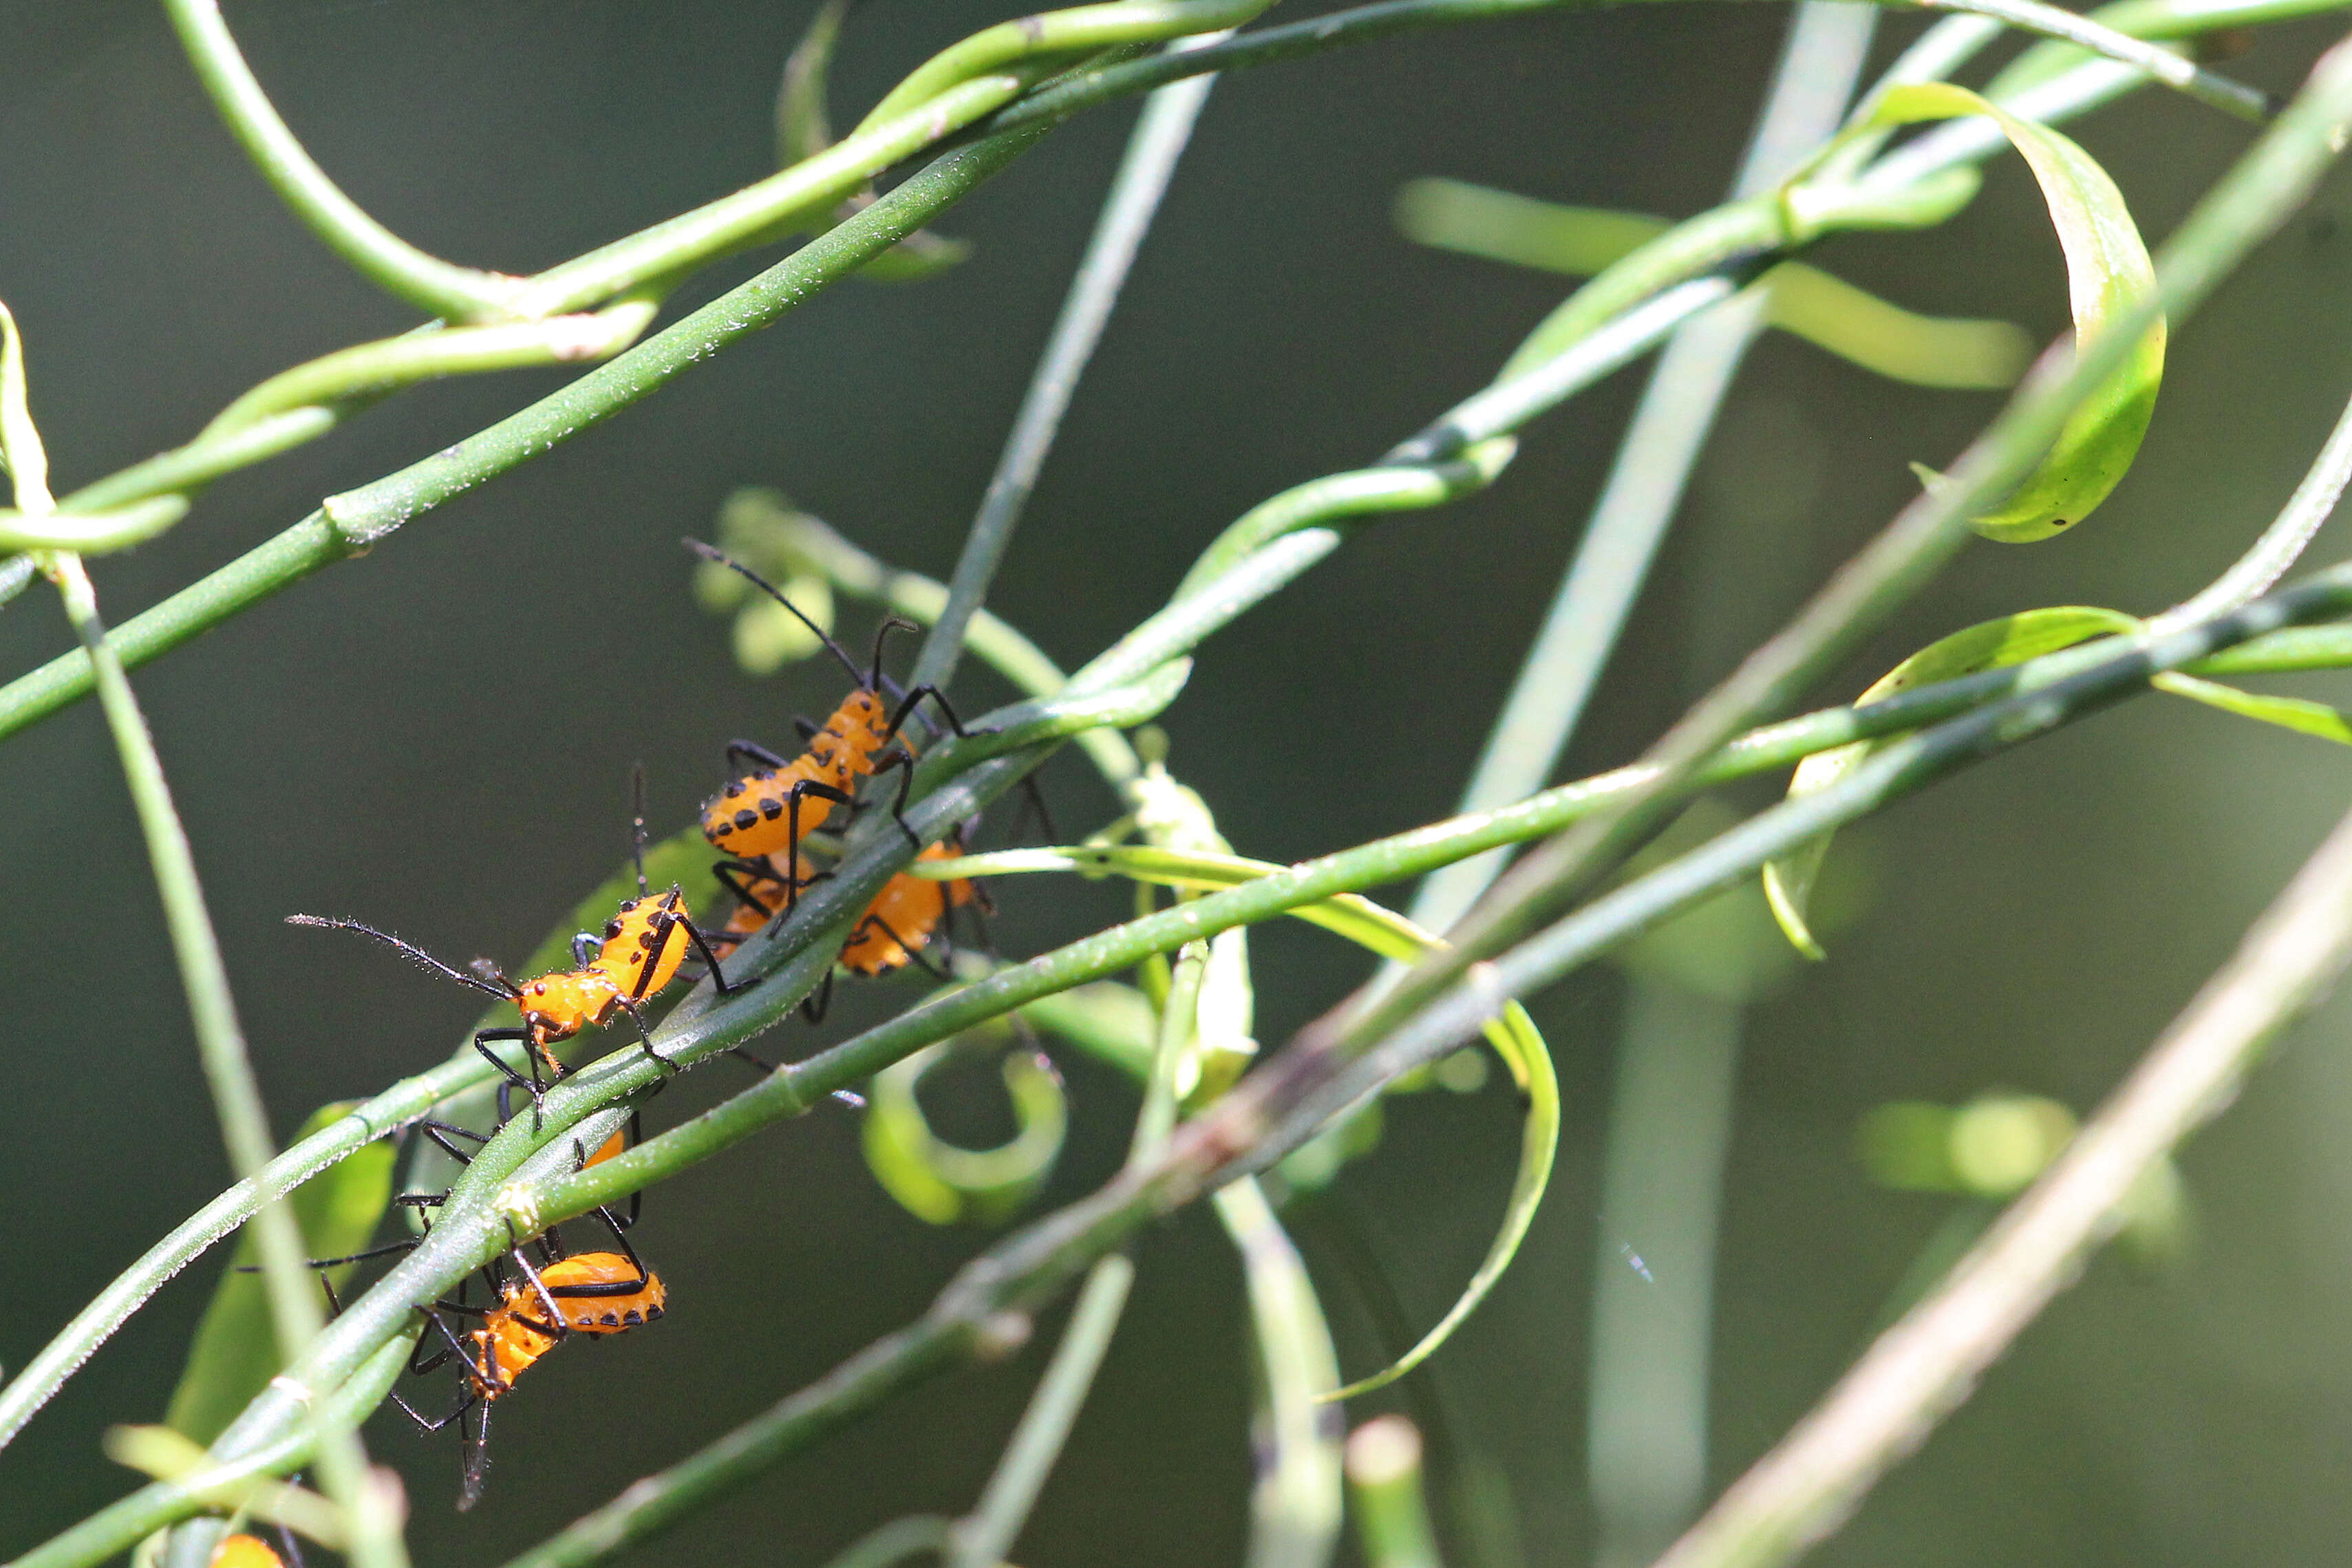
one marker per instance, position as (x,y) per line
(768,808)
(902,919)
(587,1292)
(905,916)
(246,1552)
(637,953)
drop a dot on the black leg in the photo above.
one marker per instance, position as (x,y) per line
(386,1251)
(585,947)
(813,1007)
(514,1080)
(709,958)
(912,950)
(428,1425)
(440,1133)
(635,1135)
(806,787)
(938,700)
(645,1039)
(903,763)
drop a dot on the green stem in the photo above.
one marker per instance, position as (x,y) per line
(91,532)
(1152,148)
(1384,1482)
(1083,30)
(1295,1500)
(413,357)
(434,286)
(372,1520)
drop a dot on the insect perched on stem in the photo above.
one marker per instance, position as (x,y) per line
(905,915)
(901,920)
(594,1293)
(770,806)
(637,953)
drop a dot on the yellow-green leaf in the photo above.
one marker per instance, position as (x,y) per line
(2108,276)
(21,453)
(235,1353)
(2298,713)
(2011,639)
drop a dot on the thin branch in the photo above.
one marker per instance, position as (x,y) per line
(1153,148)
(2290,533)
(1923,1367)
(984,1536)
(434,286)
(372,1517)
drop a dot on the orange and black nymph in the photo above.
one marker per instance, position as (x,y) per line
(774,803)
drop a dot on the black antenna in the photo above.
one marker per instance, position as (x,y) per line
(875,681)
(410,951)
(769,589)
(638,779)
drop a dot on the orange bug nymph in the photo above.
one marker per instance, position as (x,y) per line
(636,955)
(241,1550)
(905,916)
(595,1294)
(773,803)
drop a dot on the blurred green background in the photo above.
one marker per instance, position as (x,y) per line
(437,739)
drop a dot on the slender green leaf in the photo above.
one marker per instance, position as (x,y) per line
(2297,714)
(235,1353)
(2011,639)
(2108,276)
(21,453)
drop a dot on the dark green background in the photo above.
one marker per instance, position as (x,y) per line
(437,738)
